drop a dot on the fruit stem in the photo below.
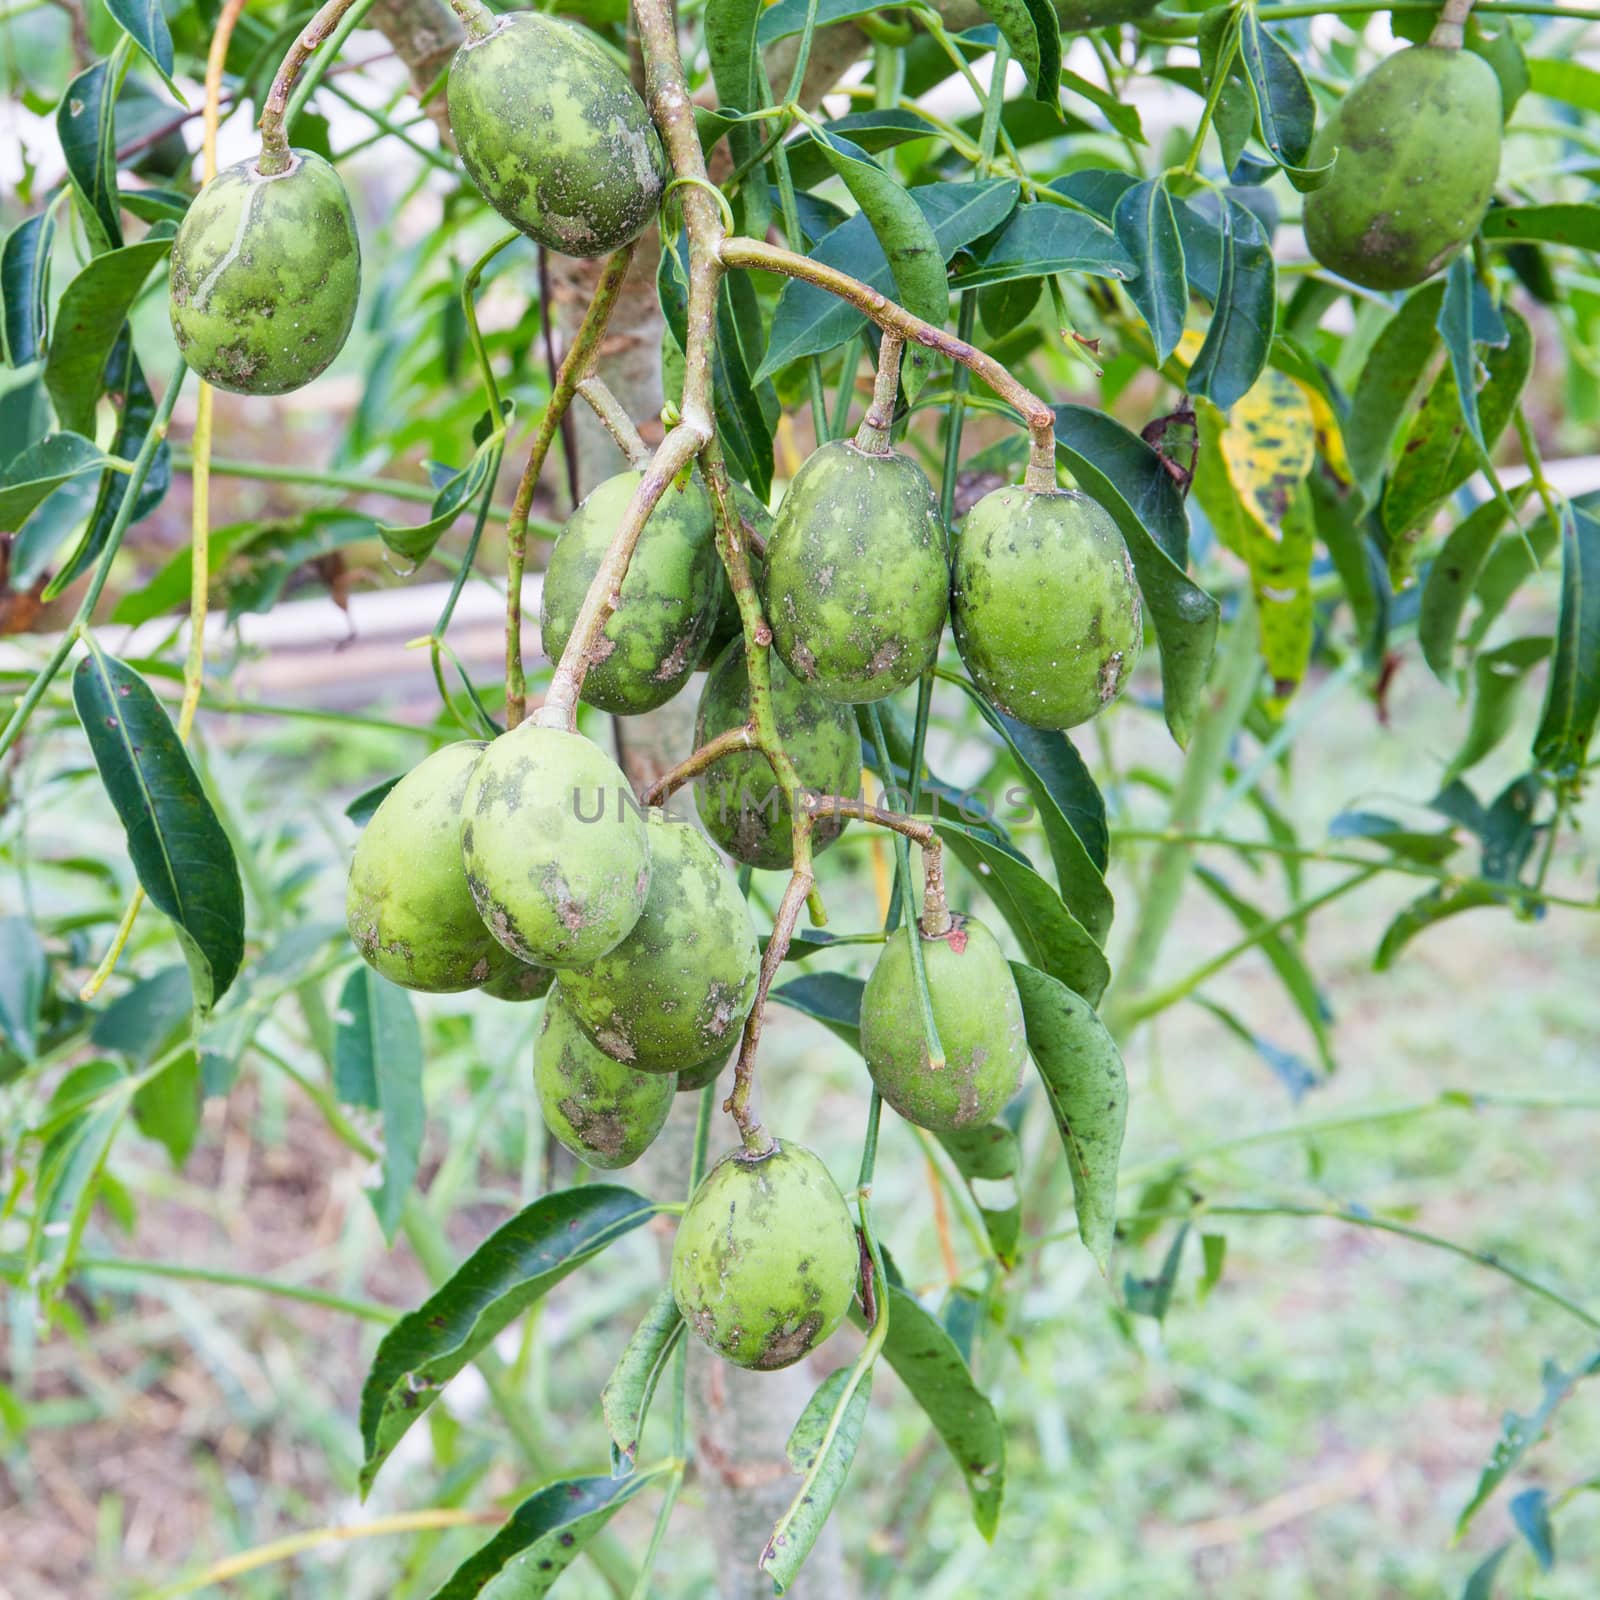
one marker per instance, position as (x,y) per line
(713,750)
(478,20)
(873,436)
(276,157)
(575,366)
(1450,31)
(616,421)
(758,255)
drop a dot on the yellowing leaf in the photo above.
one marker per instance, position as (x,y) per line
(1330,436)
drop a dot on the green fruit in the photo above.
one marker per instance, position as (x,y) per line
(979,1017)
(858,579)
(677,990)
(740,802)
(1045,606)
(555,847)
(407,904)
(728,625)
(765,1262)
(605,1113)
(264,276)
(554,135)
(706,1072)
(657,635)
(511,979)
(1418,143)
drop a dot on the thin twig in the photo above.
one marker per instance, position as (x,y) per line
(726,743)
(615,420)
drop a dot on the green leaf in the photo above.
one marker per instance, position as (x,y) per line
(1122,116)
(1084,1078)
(1480,1582)
(1530,1511)
(810,321)
(990,1152)
(377,1062)
(361,809)
(1151,1297)
(832,998)
(25,287)
(1458,327)
(505,1275)
(1295,1074)
(40,470)
(1518,1434)
(178,848)
(67,1177)
(146,24)
(1497,677)
(1285,112)
(93,308)
(1453,575)
(1572,698)
(167,1108)
(1040,240)
(788,17)
(454,495)
(1032,30)
(1394,370)
(1147,228)
(1245,305)
(1435,906)
(822,1447)
(1051,937)
(24,978)
(545,1535)
(1510,565)
(1127,477)
(1575,225)
(149,1019)
(1566,80)
(86,128)
(927,1362)
(625,1400)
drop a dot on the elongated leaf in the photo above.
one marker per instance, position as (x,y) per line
(146,24)
(1054,939)
(93,307)
(1572,699)
(625,1400)
(377,1062)
(1151,1297)
(86,128)
(37,472)
(832,998)
(1147,228)
(149,1019)
(730,30)
(505,1275)
(1395,369)
(1285,112)
(1480,1582)
(453,497)
(1530,1511)
(1510,565)
(1461,334)
(1497,676)
(1084,1078)
(1435,906)
(1575,225)
(1571,81)
(809,321)
(25,287)
(1031,29)
(788,17)
(167,1108)
(822,1448)
(990,1152)
(361,809)
(24,976)
(873,131)
(178,848)
(545,1535)
(1043,239)
(88,1110)
(1245,305)
(1453,575)
(1127,477)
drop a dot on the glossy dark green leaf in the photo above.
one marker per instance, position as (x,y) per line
(1053,939)
(831,998)
(1032,30)
(93,308)
(1283,953)
(155,205)
(788,17)
(25,287)
(41,469)
(145,23)
(454,496)
(1147,228)
(24,977)
(730,33)
(179,850)
(1572,698)
(1083,1076)
(377,1062)
(809,321)
(505,1275)
(1244,308)
(1394,371)
(926,1360)
(989,1152)
(1127,477)
(872,131)
(1497,677)
(1453,575)
(545,1535)
(821,1448)
(1121,115)
(625,1400)
(86,128)
(1043,239)
(167,1108)
(1285,112)
(1096,189)
(1577,226)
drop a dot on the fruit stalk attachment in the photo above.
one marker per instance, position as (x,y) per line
(872,438)
(935,919)
(1450,31)
(275,155)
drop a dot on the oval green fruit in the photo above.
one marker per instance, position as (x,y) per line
(728,625)
(657,635)
(264,276)
(677,990)
(707,1072)
(605,1113)
(555,847)
(1045,606)
(554,136)
(764,1265)
(858,577)
(979,1017)
(741,803)
(407,904)
(510,979)
(1418,143)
